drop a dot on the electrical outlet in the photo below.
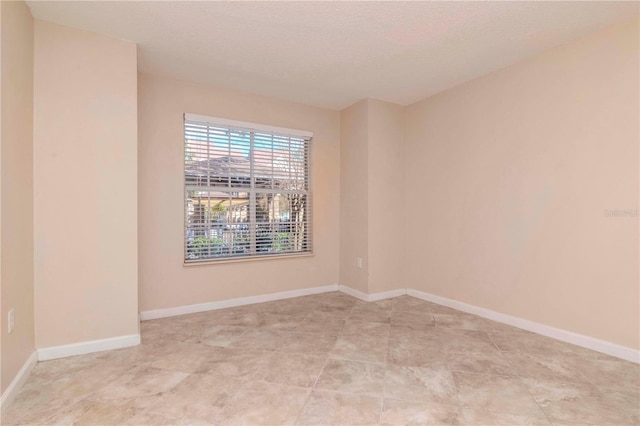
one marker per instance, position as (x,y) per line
(359,262)
(10,320)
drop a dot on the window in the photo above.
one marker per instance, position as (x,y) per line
(247,190)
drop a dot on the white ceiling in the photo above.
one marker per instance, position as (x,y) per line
(332,54)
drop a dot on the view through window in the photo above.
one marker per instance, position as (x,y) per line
(247,190)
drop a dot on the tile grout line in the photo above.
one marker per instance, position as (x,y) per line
(459,407)
(492,336)
(597,388)
(546,416)
(386,367)
(313,387)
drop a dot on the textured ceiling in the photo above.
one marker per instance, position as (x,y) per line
(332,54)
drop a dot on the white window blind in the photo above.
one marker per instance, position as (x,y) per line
(247,190)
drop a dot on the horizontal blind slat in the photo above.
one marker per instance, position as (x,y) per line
(223,166)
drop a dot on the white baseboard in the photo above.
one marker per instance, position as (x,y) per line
(10,393)
(270,297)
(87,347)
(373,296)
(353,292)
(592,343)
(545,330)
(230,303)
(387,294)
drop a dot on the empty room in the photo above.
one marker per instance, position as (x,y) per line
(320,213)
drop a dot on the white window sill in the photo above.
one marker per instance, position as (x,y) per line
(210,262)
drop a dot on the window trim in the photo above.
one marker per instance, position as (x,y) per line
(245,125)
(258,128)
(254,258)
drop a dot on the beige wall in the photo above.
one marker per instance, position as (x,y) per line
(371,164)
(510,175)
(354,219)
(387,220)
(164,281)
(85,186)
(501,202)
(17,187)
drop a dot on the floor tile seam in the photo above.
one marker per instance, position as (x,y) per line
(131,399)
(159,413)
(57,376)
(362,335)
(546,415)
(233,339)
(426,327)
(311,389)
(386,353)
(386,370)
(636,402)
(563,382)
(298,331)
(301,354)
(318,354)
(351,337)
(592,383)
(275,382)
(256,351)
(499,351)
(457,406)
(308,390)
(111,381)
(40,416)
(200,374)
(600,398)
(595,421)
(455,385)
(384,385)
(366,320)
(350,312)
(373,363)
(253,348)
(538,358)
(19,417)
(259,369)
(266,382)
(74,401)
(504,352)
(432,321)
(493,342)
(269,330)
(358,361)
(315,383)
(480,352)
(519,377)
(341,392)
(461,352)
(453,370)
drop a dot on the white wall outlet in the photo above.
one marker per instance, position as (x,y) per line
(359,262)
(10,320)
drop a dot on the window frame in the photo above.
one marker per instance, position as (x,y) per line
(252,190)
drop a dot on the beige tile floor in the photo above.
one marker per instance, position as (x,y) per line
(331,359)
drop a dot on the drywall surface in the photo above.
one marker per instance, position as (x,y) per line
(388,222)
(85,177)
(524,184)
(164,280)
(354,213)
(16,249)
